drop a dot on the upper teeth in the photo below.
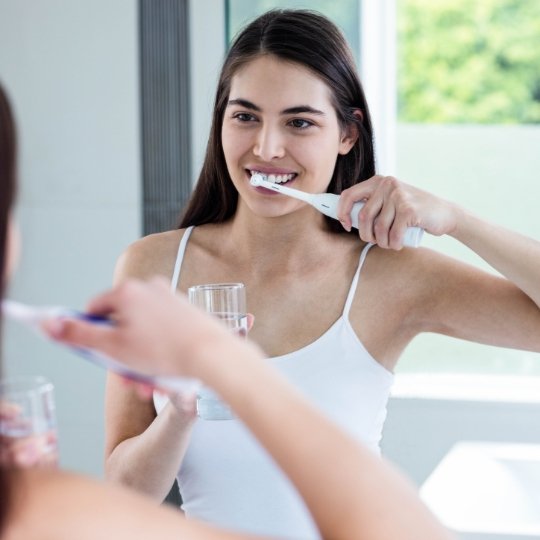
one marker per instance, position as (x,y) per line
(275,178)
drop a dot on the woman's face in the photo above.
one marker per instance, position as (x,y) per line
(280,121)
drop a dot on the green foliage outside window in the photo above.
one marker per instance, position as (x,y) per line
(469,61)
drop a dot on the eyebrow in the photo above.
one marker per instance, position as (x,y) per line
(299,109)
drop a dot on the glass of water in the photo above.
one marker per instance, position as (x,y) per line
(227,301)
(28,423)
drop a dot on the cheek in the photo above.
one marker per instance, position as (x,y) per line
(237,148)
(323,154)
(230,144)
(226,144)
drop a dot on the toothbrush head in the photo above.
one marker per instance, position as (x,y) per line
(257,179)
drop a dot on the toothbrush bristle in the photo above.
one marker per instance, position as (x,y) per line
(257,179)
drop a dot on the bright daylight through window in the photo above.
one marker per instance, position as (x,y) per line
(469,130)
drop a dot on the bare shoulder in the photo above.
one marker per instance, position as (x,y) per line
(413,284)
(426,284)
(59,505)
(151,255)
(417,269)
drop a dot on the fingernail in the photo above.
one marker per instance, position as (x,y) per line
(345,225)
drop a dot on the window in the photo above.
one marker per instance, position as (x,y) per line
(468,129)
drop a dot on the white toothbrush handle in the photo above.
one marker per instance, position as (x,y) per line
(327,203)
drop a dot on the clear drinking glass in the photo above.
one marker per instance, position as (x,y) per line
(228,302)
(28,423)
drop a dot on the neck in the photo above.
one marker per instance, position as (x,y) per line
(286,241)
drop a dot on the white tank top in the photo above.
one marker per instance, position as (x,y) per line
(229,480)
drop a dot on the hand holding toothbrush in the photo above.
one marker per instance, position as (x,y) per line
(391,206)
(155,332)
(329,205)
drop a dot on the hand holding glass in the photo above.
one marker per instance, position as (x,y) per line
(28,423)
(227,301)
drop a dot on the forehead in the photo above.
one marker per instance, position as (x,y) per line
(272,83)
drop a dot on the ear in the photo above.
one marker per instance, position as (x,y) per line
(349,135)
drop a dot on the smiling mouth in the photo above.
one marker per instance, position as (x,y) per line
(275,178)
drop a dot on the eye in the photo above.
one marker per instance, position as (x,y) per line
(244,117)
(300,123)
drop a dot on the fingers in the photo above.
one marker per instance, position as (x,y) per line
(144,334)
(78,332)
(9,411)
(29,451)
(107,302)
(349,196)
(121,304)
(383,224)
(386,213)
(367,219)
(186,404)
(397,232)
(123,296)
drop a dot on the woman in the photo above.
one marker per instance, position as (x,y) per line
(45,503)
(332,314)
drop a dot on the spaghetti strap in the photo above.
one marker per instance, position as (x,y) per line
(354,282)
(180,257)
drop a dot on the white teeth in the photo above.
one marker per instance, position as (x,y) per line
(275,178)
(281,178)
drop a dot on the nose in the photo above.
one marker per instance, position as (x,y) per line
(269,143)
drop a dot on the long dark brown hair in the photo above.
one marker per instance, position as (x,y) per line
(311,40)
(7,193)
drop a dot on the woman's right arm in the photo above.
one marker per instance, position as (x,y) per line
(144,450)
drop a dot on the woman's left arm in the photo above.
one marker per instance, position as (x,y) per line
(457,300)
(515,256)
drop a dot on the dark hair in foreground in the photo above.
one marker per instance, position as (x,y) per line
(7,194)
(311,40)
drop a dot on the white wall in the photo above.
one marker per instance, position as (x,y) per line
(207,50)
(71,68)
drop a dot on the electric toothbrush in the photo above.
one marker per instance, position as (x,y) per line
(32,317)
(327,204)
